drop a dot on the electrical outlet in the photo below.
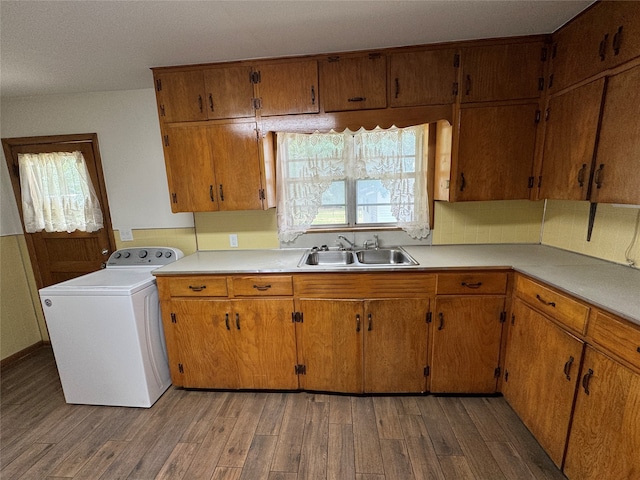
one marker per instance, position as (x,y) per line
(233,240)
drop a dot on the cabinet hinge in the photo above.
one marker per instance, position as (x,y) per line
(503,315)
(456,60)
(254,77)
(334,58)
(374,56)
(543,54)
(429,317)
(166,140)
(506,375)
(427,370)
(162,112)
(297,317)
(455,89)
(538,116)
(159,85)
(301,369)
(496,372)
(174,197)
(530,182)
(540,83)
(261,195)
(180,368)
(257,103)
(173,318)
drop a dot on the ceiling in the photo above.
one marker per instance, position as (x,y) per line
(56,47)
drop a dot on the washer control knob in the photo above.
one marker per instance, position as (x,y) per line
(158,254)
(127,254)
(117,255)
(142,254)
(168,254)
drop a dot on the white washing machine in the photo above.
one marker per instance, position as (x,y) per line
(106,331)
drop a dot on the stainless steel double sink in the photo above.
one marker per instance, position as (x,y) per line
(392,256)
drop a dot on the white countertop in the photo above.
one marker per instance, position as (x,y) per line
(613,287)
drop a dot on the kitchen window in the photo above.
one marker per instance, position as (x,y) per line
(367,178)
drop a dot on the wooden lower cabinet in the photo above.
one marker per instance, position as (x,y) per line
(541,375)
(465,344)
(352,346)
(231,344)
(605,434)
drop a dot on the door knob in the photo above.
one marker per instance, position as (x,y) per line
(105,251)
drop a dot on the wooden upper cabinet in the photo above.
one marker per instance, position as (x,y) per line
(425,77)
(353,82)
(190,170)
(616,176)
(288,88)
(502,72)
(180,96)
(603,37)
(496,148)
(571,127)
(228,92)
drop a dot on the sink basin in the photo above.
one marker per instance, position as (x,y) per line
(395,256)
(331,257)
(385,256)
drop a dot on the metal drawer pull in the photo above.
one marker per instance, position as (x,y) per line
(357,323)
(262,288)
(197,288)
(472,285)
(441,316)
(541,300)
(238,321)
(370,324)
(357,99)
(585,381)
(567,368)
(226,321)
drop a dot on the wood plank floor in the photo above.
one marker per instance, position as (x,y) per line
(253,436)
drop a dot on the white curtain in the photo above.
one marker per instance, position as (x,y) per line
(308,163)
(57,194)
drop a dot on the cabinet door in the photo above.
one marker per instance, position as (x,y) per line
(190,171)
(395,345)
(465,348)
(234,149)
(180,96)
(617,176)
(266,343)
(288,88)
(605,439)
(229,92)
(495,152)
(422,78)
(354,83)
(204,341)
(541,375)
(330,345)
(570,136)
(501,72)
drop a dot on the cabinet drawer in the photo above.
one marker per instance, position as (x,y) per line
(198,286)
(266,285)
(471,283)
(620,337)
(365,285)
(569,312)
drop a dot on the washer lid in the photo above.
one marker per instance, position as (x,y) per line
(104,282)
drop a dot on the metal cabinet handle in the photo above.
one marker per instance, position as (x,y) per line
(596,177)
(471,285)
(313,95)
(262,288)
(221,194)
(197,288)
(226,321)
(567,368)
(238,321)
(397,87)
(463,182)
(211,102)
(200,102)
(543,301)
(357,99)
(603,47)
(441,317)
(617,41)
(370,324)
(585,381)
(581,175)
(211,193)
(357,323)
(468,85)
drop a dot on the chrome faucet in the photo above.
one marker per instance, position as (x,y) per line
(375,243)
(352,245)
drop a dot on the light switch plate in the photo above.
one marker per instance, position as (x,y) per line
(126,234)
(233,240)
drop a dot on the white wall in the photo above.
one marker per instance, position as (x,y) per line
(130,147)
